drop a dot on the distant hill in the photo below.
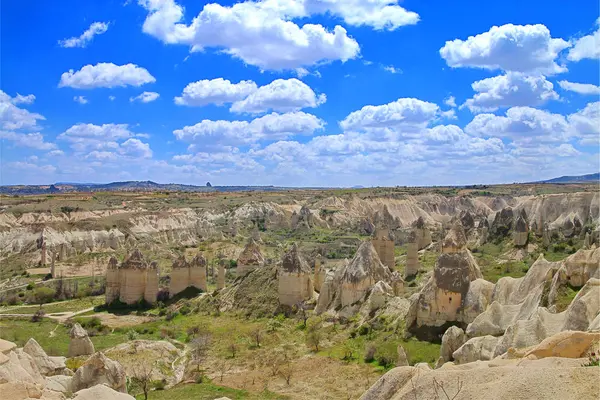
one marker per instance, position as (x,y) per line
(574,179)
(131,186)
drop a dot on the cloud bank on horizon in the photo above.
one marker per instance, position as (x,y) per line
(299,93)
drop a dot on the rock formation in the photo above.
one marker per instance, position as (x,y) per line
(47,365)
(320,272)
(80,344)
(132,281)
(184,274)
(503,223)
(99,369)
(453,339)
(521,230)
(412,260)
(294,278)
(349,284)
(221,277)
(422,235)
(250,258)
(384,247)
(455,292)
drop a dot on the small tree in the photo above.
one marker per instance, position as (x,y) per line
(233,348)
(142,377)
(301,309)
(287,370)
(199,348)
(43,295)
(313,339)
(223,366)
(256,336)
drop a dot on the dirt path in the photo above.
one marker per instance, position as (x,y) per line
(59,317)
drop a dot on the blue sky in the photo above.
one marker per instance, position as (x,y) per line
(298,93)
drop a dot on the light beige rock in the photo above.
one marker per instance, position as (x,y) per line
(80,343)
(402,360)
(584,308)
(250,258)
(294,278)
(455,241)
(6,347)
(384,247)
(412,260)
(582,266)
(47,365)
(103,392)
(479,348)
(453,338)
(319,276)
(59,383)
(567,344)
(132,281)
(521,231)
(97,370)
(550,378)
(20,367)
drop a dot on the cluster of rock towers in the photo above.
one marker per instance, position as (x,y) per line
(136,279)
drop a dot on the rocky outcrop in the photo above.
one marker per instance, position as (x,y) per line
(98,370)
(350,283)
(294,278)
(402,360)
(453,339)
(521,230)
(566,344)
(479,348)
(186,274)
(503,223)
(422,235)
(80,344)
(250,258)
(384,247)
(451,294)
(46,364)
(132,281)
(101,392)
(549,378)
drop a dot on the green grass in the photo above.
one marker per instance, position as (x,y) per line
(59,307)
(566,294)
(19,332)
(207,391)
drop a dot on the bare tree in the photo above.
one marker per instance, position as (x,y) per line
(301,309)
(314,338)
(233,348)
(256,335)
(287,371)
(440,386)
(199,348)
(223,366)
(142,376)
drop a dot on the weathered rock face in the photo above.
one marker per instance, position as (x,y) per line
(384,247)
(319,276)
(184,274)
(582,266)
(451,294)
(101,392)
(422,235)
(479,348)
(349,284)
(412,260)
(503,223)
(97,370)
(402,360)
(521,231)
(567,344)
(453,338)
(80,344)
(135,278)
(467,220)
(455,241)
(47,365)
(549,378)
(250,258)
(294,278)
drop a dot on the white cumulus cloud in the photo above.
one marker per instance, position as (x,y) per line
(106,75)
(145,97)
(510,90)
(281,95)
(581,88)
(258,33)
(13,117)
(520,48)
(96,28)
(405,112)
(587,46)
(80,99)
(269,127)
(216,91)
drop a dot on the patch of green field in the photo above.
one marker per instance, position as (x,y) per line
(53,337)
(566,294)
(207,391)
(58,307)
